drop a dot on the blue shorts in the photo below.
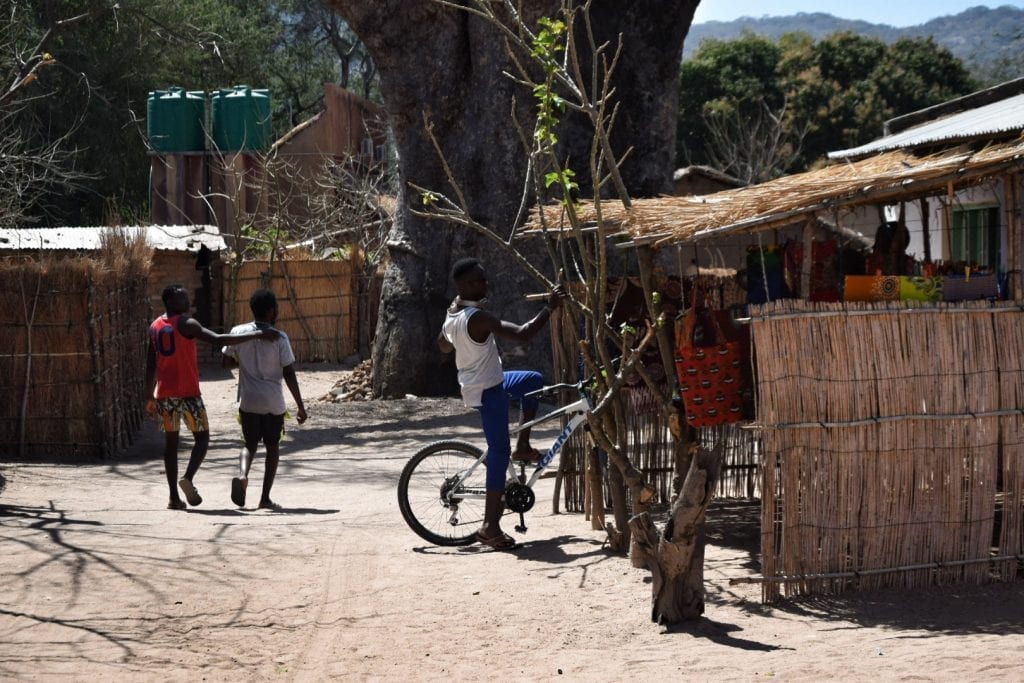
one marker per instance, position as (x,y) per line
(494,415)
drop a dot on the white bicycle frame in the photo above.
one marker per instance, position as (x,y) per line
(578,410)
(578,415)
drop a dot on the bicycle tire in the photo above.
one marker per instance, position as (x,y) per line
(421,490)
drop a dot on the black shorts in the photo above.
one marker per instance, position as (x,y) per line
(258,427)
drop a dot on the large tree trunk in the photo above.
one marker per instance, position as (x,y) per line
(447,65)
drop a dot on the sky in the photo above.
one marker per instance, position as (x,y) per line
(892,12)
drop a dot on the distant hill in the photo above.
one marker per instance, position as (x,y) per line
(979,36)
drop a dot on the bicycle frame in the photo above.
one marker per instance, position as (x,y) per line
(577,413)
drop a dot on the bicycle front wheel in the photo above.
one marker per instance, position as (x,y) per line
(437,500)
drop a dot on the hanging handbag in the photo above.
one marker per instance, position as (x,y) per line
(710,370)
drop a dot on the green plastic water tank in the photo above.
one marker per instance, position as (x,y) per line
(241,119)
(174,120)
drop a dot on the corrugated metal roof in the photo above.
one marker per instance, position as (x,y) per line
(163,237)
(998,118)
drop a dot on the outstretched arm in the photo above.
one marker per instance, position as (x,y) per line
(293,386)
(483,323)
(191,328)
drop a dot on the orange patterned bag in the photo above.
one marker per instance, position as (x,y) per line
(711,373)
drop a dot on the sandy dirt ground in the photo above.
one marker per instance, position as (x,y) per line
(101,582)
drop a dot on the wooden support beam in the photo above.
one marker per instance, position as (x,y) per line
(1012,208)
(926,230)
(805,268)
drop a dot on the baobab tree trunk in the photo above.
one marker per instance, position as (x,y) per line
(443,68)
(446,65)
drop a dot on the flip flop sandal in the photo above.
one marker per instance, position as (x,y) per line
(238,492)
(191,494)
(502,542)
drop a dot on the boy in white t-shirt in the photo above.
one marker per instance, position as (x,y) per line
(261,404)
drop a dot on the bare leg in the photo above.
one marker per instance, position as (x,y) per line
(171,464)
(494,506)
(245,456)
(198,454)
(523,440)
(239,484)
(273,456)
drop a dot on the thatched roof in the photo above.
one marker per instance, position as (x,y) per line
(885,178)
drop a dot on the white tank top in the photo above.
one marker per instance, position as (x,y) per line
(478,363)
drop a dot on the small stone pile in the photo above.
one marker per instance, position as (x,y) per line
(356,386)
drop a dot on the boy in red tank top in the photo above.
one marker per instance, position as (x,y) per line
(172,385)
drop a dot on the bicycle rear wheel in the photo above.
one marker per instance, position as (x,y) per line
(430,502)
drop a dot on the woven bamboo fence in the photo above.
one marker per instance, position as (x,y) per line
(317,303)
(648,440)
(73,361)
(892,444)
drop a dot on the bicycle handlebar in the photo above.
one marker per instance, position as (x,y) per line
(543,391)
(578,386)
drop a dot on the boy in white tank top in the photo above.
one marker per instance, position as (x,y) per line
(470,332)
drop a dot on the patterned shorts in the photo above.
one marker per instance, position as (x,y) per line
(171,411)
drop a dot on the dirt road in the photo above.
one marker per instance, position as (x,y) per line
(101,582)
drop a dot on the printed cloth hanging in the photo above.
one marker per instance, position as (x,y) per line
(917,288)
(710,370)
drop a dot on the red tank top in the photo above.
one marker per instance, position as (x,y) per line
(177,366)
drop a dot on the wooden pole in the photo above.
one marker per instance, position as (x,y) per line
(947,229)
(30,317)
(1011,201)
(926,231)
(805,268)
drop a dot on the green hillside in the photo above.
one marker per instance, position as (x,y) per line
(989,41)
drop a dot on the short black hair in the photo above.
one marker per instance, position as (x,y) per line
(463,266)
(171,290)
(262,302)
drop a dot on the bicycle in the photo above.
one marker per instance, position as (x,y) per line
(442,488)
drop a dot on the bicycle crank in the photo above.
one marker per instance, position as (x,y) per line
(519,497)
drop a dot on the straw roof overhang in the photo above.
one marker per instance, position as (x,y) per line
(886,178)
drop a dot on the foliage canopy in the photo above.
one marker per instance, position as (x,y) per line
(106,64)
(824,95)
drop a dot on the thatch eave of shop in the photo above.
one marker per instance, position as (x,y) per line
(883,179)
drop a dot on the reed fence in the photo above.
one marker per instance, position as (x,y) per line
(649,443)
(73,362)
(892,440)
(318,303)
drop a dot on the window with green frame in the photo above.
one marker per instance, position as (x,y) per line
(975,235)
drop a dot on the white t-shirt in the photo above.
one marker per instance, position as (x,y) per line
(478,363)
(260,365)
